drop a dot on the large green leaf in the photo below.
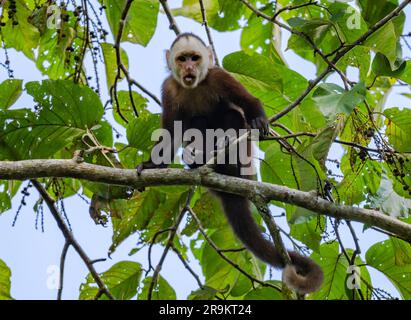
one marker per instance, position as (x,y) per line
(384,41)
(258,36)
(148,212)
(5,282)
(276,167)
(373,11)
(382,67)
(393,258)
(332,99)
(347,21)
(161,290)
(65,111)
(388,201)
(256,67)
(10,91)
(122,280)
(209,211)
(399,128)
(221,275)
(274,84)
(222,15)
(140,130)
(336,272)
(309,232)
(140,23)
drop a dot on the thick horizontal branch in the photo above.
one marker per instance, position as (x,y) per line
(31,169)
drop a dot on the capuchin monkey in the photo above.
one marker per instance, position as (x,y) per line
(203,96)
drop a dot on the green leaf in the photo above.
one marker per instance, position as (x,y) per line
(126,106)
(266,293)
(393,258)
(130,157)
(309,232)
(140,23)
(256,67)
(110,61)
(382,67)
(134,214)
(336,269)
(373,11)
(406,74)
(209,211)
(161,290)
(59,48)
(258,36)
(274,84)
(384,41)
(332,99)
(5,282)
(66,110)
(361,178)
(222,15)
(10,91)
(122,280)
(206,293)
(221,275)
(23,36)
(140,130)
(388,201)
(276,167)
(316,29)
(399,128)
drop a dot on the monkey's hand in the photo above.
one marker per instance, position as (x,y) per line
(261,123)
(149,165)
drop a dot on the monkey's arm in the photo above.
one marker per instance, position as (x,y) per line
(235,92)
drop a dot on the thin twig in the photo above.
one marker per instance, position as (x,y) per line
(187,266)
(62,263)
(210,39)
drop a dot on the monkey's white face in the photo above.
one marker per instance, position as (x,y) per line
(189,61)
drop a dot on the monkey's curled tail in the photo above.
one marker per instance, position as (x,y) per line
(303,275)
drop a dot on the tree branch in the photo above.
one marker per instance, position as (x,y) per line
(173,24)
(210,39)
(31,169)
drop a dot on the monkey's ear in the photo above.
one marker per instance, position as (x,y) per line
(168,55)
(210,56)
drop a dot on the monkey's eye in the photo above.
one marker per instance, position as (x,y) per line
(195,58)
(181,58)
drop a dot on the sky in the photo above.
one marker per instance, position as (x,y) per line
(34,256)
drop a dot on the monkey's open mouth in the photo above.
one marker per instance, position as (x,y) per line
(189,79)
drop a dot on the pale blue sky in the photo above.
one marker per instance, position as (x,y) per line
(30,253)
